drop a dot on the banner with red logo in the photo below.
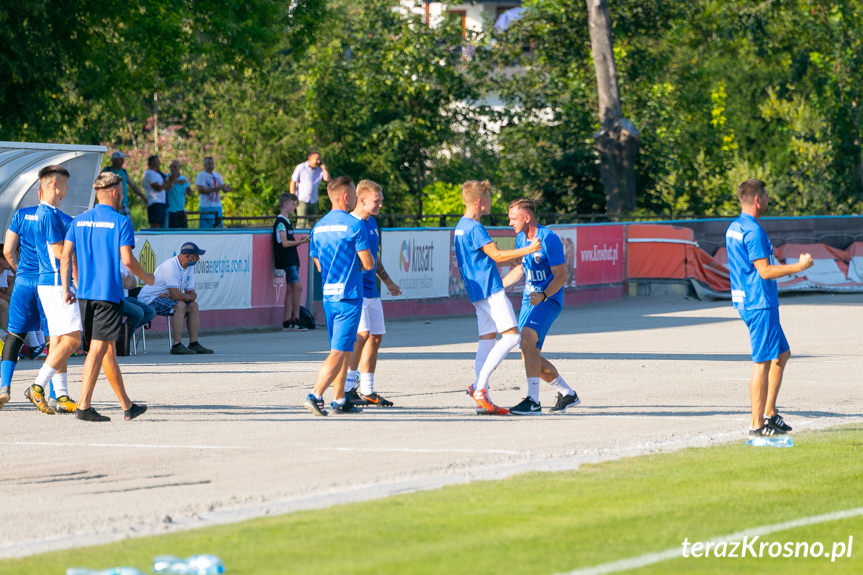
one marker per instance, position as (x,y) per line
(599,255)
(417,261)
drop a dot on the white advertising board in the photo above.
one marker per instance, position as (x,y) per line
(223,275)
(418,261)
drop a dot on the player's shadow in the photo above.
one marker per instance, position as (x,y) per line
(611,356)
(691,411)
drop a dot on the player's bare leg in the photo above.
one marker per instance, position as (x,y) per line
(758,392)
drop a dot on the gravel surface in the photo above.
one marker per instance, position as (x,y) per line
(226,437)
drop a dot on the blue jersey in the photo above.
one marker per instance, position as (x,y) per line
(50,229)
(478,271)
(746,242)
(24,223)
(370,277)
(537,266)
(98,235)
(336,239)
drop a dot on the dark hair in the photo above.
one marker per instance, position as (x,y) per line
(286,198)
(523,204)
(336,184)
(53,170)
(748,190)
(152,159)
(313,151)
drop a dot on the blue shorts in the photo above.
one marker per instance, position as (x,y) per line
(292,274)
(765,334)
(538,318)
(343,318)
(25,309)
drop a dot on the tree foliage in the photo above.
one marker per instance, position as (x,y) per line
(721,90)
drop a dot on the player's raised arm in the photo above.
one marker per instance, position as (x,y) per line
(772,272)
(503,256)
(514,276)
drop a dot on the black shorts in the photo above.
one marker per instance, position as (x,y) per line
(156,214)
(102,320)
(178,220)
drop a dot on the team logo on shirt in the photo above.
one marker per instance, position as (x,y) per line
(537,257)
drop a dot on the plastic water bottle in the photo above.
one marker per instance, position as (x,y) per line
(774,441)
(109,571)
(194,565)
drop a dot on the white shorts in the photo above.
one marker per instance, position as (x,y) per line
(494,314)
(62,317)
(372,318)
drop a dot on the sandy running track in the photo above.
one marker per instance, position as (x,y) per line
(226,437)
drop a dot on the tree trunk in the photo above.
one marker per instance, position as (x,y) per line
(618,139)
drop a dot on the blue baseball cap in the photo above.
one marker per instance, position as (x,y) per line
(191,249)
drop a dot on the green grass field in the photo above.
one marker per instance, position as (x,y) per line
(546,522)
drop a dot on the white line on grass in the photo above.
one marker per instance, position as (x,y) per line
(677,552)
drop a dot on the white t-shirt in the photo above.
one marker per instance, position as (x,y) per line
(208,180)
(153,196)
(169,274)
(308,179)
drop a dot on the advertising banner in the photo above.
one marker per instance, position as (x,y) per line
(599,252)
(418,261)
(223,275)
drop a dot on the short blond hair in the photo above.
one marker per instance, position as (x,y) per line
(472,190)
(367,187)
(525,204)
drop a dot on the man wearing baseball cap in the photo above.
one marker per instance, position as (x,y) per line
(116,167)
(173,293)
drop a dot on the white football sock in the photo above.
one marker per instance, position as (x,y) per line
(367,383)
(44,376)
(482,350)
(351,380)
(533,388)
(560,385)
(61,384)
(497,354)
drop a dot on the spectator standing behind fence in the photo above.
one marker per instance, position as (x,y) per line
(304,184)
(118,158)
(285,257)
(177,198)
(210,187)
(155,184)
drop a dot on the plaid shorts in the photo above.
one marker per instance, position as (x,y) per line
(163,305)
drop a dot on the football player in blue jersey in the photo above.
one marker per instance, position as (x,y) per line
(371,330)
(544,273)
(340,250)
(753,271)
(25,310)
(477,257)
(64,319)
